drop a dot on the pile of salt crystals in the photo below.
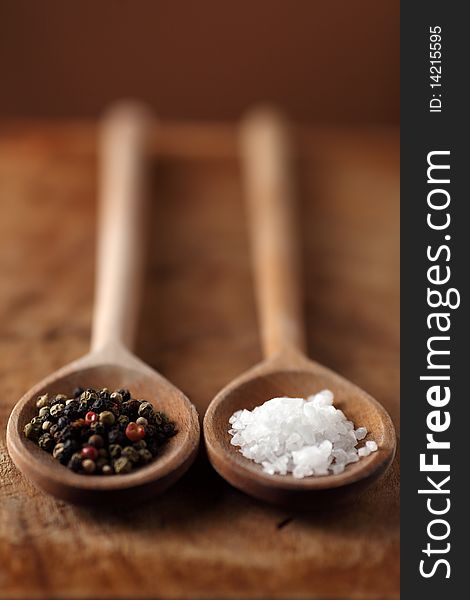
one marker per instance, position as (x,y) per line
(302,437)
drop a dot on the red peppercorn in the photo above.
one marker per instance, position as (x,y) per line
(91,417)
(89,452)
(135,432)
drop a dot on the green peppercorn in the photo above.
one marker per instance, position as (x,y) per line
(122,465)
(140,445)
(42,401)
(96,441)
(130,453)
(32,431)
(107,418)
(46,426)
(46,442)
(145,456)
(142,421)
(88,466)
(114,450)
(67,402)
(38,421)
(57,409)
(123,421)
(44,411)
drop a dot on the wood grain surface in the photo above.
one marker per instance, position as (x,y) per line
(202,539)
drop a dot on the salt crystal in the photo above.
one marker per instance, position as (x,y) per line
(303,437)
(361,433)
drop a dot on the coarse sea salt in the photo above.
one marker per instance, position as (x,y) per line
(298,436)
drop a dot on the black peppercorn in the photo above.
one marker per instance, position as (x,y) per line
(130,408)
(115,436)
(126,395)
(77,392)
(72,409)
(46,442)
(75,462)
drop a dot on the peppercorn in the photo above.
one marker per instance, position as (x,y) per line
(139,445)
(91,417)
(142,421)
(77,392)
(38,420)
(86,396)
(122,465)
(130,453)
(126,395)
(103,453)
(116,437)
(62,422)
(104,393)
(100,463)
(75,462)
(89,452)
(32,431)
(61,398)
(44,411)
(96,441)
(42,401)
(107,470)
(135,432)
(145,456)
(58,450)
(57,409)
(146,410)
(46,442)
(53,428)
(107,418)
(123,422)
(46,425)
(72,409)
(130,409)
(88,466)
(114,450)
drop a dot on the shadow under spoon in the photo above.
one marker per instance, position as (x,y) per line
(286,371)
(110,362)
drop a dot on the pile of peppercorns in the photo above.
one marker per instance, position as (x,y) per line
(98,432)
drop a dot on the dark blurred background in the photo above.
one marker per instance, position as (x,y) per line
(322,61)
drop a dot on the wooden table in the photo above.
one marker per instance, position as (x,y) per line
(202,539)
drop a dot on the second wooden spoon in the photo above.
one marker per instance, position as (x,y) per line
(285,371)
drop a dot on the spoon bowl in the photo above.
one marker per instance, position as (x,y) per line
(98,371)
(273,378)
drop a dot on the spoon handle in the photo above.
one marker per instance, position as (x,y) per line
(120,244)
(266,156)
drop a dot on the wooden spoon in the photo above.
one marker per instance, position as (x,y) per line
(110,362)
(285,371)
